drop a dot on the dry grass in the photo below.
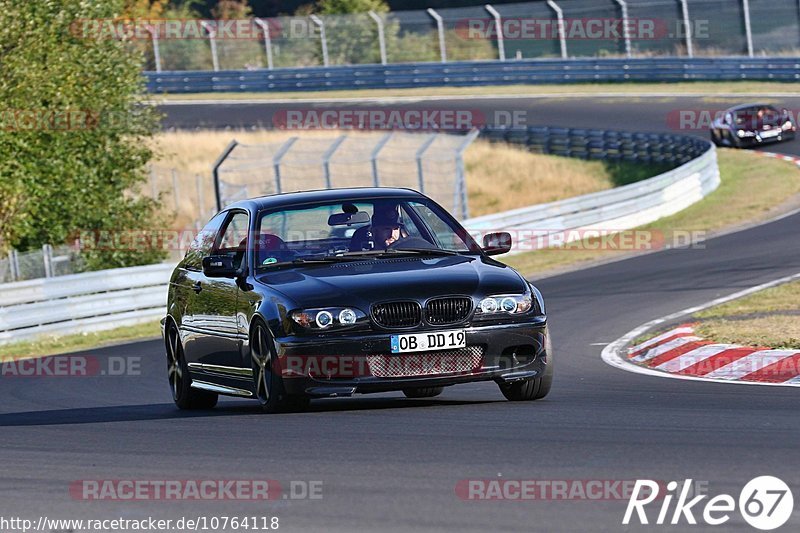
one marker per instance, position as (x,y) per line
(769,318)
(700,87)
(499,177)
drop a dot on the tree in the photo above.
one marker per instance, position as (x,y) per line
(74,139)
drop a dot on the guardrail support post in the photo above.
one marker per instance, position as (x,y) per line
(13,264)
(625,30)
(47,260)
(381,36)
(323,39)
(687,27)
(747,28)
(326,159)
(498,23)
(562,37)
(276,162)
(267,40)
(218,163)
(461,180)
(440,28)
(418,156)
(156,51)
(212,39)
(374,157)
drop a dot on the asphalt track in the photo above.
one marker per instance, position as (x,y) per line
(389,463)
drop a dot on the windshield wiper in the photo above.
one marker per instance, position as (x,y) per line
(400,251)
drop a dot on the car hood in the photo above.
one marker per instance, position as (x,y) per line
(361,283)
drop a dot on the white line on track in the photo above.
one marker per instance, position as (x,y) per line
(612,354)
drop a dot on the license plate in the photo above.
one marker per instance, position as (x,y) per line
(770,133)
(423,342)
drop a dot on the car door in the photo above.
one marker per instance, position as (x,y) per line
(213,327)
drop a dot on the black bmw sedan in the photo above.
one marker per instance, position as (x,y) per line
(751,125)
(330,293)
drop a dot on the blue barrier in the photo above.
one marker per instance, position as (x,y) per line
(472,73)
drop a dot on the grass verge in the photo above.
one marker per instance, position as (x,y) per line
(769,318)
(53,345)
(752,186)
(704,88)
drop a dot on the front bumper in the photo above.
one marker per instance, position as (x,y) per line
(340,365)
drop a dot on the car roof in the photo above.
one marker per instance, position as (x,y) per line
(323,195)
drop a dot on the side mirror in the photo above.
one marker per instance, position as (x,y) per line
(219,266)
(497,243)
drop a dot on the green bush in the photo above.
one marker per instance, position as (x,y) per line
(74,143)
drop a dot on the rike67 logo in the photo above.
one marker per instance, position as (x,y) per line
(765,502)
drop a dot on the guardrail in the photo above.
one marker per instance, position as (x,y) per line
(476,73)
(83,302)
(617,209)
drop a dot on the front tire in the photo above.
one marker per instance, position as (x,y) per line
(184,396)
(269,387)
(529,389)
(423,392)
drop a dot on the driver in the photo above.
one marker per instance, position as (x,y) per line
(386,229)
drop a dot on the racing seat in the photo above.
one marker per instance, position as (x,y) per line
(269,246)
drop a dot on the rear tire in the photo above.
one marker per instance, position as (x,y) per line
(423,392)
(184,396)
(269,387)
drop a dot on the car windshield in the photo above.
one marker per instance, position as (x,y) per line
(351,229)
(755,117)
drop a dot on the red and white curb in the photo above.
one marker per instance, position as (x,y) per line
(790,158)
(680,354)
(680,351)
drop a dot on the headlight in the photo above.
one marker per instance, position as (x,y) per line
(327,318)
(511,304)
(743,133)
(787,125)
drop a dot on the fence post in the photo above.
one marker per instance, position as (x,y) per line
(440,27)
(267,40)
(374,157)
(47,260)
(175,189)
(625,30)
(747,28)
(562,37)
(326,159)
(215,171)
(381,36)
(212,39)
(322,37)
(687,23)
(276,162)
(13,264)
(498,22)
(156,51)
(418,156)
(461,178)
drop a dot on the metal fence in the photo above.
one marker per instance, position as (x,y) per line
(431,163)
(541,29)
(47,262)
